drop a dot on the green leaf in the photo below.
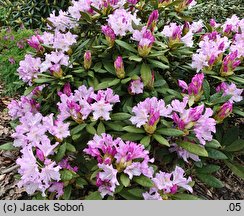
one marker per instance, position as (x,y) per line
(143,181)
(161,139)
(115,126)
(70,147)
(238,112)
(132,136)
(101,129)
(206,89)
(120,116)
(211,168)
(146,74)
(61,152)
(126,46)
(29,90)
(213,144)
(170,132)
(194,149)
(182,196)
(109,67)
(133,129)
(135,58)
(42,80)
(67,192)
(77,129)
(94,196)
(236,169)
(91,130)
(125,180)
(80,182)
(145,141)
(210,180)
(235,146)
(158,64)
(216,154)
(66,175)
(230,136)
(132,194)
(7,146)
(237,79)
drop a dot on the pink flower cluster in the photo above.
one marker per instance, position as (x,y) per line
(36,177)
(121,21)
(29,68)
(211,48)
(37,136)
(148,113)
(194,119)
(178,33)
(116,156)
(168,183)
(233,24)
(83,101)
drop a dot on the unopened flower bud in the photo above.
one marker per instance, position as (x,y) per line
(152,20)
(40,155)
(87,60)
(119,67)
(224,111)
(56,71)
(109,34)
(67,89)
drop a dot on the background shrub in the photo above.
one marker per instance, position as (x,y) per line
(30,13)
(218,9)
(13,47)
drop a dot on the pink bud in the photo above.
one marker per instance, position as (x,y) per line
(119,67)
(40,155)
(109,34)
(152,20)
(67,89)
(87,60)
(224,111)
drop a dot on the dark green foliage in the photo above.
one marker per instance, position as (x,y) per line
(30,13)
(218,9)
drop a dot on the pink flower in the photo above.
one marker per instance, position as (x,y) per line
(182,153)
(107,180)
(57,187)
(229,64)
(148,113)
(205,126)
(49,172)
(152,195)
(35,42)
(145,39)
(230,90)
(121,22)
(103,148)
(136,87)
(195,87)
(29,69)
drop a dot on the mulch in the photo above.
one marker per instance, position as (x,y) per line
(233,186)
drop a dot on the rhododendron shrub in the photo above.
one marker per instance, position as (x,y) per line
(128,100)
